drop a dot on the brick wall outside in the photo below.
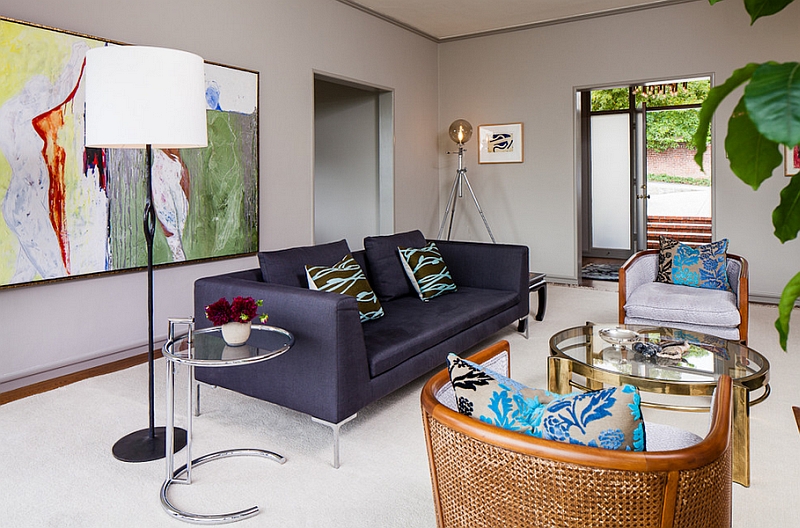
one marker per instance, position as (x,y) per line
(678,162)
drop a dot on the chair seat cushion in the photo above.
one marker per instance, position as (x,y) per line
(670,303)
(662,437)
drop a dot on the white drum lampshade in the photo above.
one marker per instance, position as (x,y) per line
(139,95)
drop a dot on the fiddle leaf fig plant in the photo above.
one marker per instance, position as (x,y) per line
(766,118)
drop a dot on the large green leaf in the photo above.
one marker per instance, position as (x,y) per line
(715,97)
(773,101)
(790,294)
(786,217)
(752,156)
(760,8)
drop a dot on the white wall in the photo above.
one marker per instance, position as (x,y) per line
(46,326)
(531,76)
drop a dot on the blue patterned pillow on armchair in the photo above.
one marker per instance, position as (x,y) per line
(609,418)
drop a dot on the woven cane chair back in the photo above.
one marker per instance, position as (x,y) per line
(484,476)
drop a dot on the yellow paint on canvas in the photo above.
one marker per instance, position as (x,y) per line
(25,52)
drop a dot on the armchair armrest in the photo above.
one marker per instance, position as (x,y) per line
(326,372)
(640,268)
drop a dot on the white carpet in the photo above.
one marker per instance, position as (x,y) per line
(56,467)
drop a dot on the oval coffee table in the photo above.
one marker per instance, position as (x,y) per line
(206,348)
(581,350)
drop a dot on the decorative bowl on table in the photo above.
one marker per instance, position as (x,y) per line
(619,337)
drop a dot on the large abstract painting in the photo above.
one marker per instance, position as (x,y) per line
(70,211)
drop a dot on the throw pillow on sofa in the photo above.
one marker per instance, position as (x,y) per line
(704,266)
(427,271)
(609,418)
(347,277)
(287,266)
(385,269)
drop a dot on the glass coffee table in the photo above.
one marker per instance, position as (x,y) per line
(206,348)
(582,351)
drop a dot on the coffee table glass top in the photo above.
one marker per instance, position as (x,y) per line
(208,349)
(708,356)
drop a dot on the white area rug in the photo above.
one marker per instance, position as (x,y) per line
(56,467)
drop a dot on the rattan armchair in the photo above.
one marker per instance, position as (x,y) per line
(484,476)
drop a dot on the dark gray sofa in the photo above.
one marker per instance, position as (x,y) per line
(339,365)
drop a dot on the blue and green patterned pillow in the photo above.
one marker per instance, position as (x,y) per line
(427,271)
(610,418)
(347,277)
(703,266)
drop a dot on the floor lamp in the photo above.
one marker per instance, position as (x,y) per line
(460,132)
(142,98)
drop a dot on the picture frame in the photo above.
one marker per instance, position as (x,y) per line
(500,143)
(76,212)
(791,160)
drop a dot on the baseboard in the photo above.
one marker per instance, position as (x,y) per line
(61,381)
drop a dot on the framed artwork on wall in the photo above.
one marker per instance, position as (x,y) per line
(500,143)
(68,211)
(791,160)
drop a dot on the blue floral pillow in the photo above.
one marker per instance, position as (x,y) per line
(703,266)
(610,418)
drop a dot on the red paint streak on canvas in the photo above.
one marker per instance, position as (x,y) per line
(47,126)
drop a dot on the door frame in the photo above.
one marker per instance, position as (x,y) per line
(582,154)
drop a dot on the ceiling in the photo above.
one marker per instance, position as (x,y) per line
(443,20)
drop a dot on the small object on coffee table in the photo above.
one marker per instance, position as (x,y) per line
(647,349)
(674,351)
(619,337)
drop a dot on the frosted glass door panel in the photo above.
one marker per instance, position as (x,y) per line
(611,182)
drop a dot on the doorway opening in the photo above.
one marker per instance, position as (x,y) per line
(639,179)
(353,161)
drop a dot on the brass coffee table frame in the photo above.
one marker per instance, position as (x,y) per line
(748,369)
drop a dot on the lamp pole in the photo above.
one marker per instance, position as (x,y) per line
(460,132)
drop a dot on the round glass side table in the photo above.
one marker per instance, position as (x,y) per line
(206,348)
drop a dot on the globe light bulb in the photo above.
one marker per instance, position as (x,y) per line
(460,131)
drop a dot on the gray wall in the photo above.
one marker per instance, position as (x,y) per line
(45,327)
(346,191)
(531,76)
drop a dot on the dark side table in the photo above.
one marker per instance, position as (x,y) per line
(537,282)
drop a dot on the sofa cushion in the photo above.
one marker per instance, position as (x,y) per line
(409,327)
(610,418)
(670,303)
(287,266)
(427,271)
(385,269)
(347,277)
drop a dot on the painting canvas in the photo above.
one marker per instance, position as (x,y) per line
(70,211)
(500,143)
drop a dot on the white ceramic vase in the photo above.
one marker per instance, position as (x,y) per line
(235,333)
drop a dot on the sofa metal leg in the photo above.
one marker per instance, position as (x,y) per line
(523,325)
(335,428)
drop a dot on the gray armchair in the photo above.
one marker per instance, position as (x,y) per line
(644,301)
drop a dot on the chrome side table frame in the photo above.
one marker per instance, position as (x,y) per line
(183,475)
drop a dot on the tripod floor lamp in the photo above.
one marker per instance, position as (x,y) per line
(138,98)
(460,132)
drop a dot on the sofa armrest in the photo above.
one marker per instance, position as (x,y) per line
(491,266)
(326,372)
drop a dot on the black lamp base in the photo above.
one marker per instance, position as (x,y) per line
(140,446)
